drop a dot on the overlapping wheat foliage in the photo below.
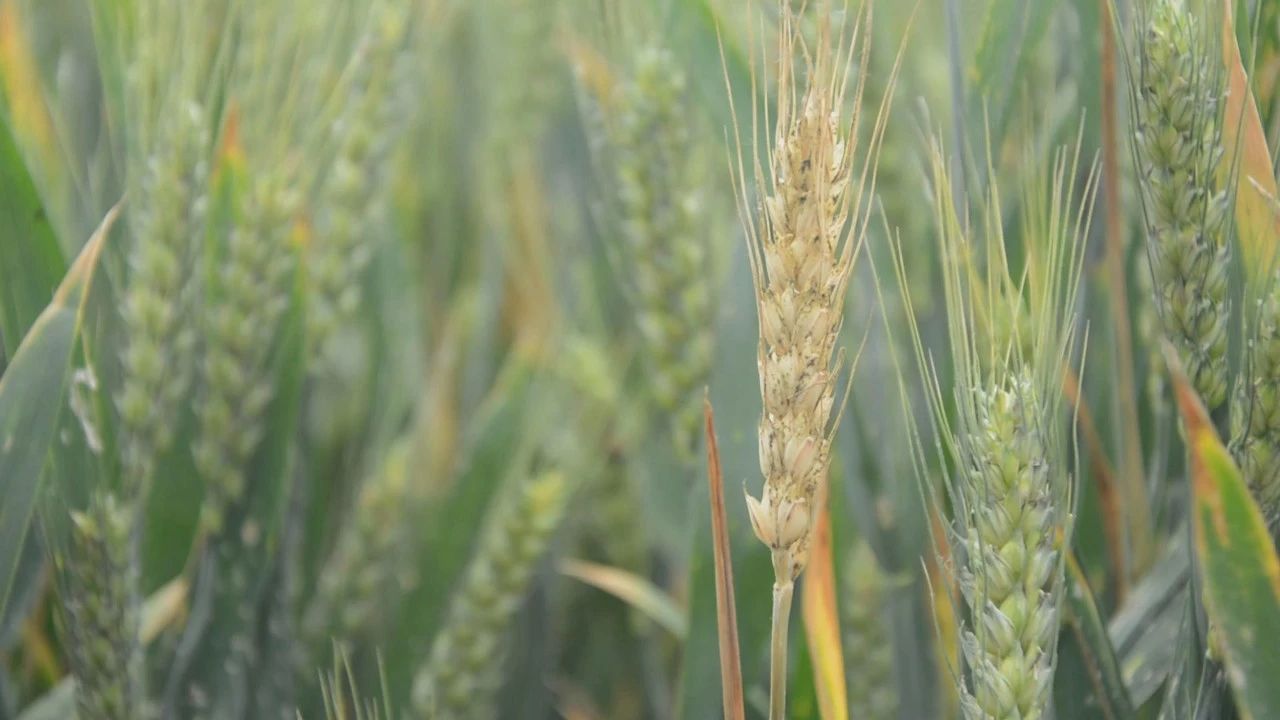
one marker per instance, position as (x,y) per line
(381,388)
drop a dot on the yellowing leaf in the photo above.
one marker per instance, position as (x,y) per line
(1237,562)
(632,589)
(822,624)
(1257,216)
(20,83)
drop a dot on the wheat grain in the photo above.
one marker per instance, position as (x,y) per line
(811,229)
(158,355)
(802,255)
(1008,574)
(241,323)
(1010,490)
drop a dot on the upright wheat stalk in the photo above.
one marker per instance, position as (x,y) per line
(1178,149)
(811,228)
(167,58)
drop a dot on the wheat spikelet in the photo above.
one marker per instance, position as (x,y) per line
(811,228)
(1178,148)
(868,643)
(802,255)
(100,612)
(460,678)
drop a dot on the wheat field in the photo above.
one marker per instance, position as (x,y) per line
(639,359)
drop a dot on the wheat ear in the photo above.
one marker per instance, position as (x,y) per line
(810,230)
(1257,411)
(100,612)
(461,676)
(1178,148)
(868,642)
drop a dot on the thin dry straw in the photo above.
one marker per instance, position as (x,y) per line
(726,608)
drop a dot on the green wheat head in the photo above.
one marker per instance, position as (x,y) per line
(868,641)
(1177,103)
(1012,337)
(100,612)
(353,195)
(370,560)
(169,68)
(641,125)
(461,676)
(1256,411)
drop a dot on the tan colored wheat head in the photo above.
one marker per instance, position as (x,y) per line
(811,227)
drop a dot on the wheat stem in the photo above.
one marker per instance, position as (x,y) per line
(782,593)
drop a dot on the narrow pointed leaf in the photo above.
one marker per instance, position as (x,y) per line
(726,608)
(632,589)
(822,624)
(32,390)
(1257,202)
(1095,646)
(1237,562)
(31,263)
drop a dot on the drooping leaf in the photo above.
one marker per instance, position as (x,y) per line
(632,589)
(31,397)
(1236,561)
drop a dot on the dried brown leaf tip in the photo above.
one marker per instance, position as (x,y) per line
(810,228)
